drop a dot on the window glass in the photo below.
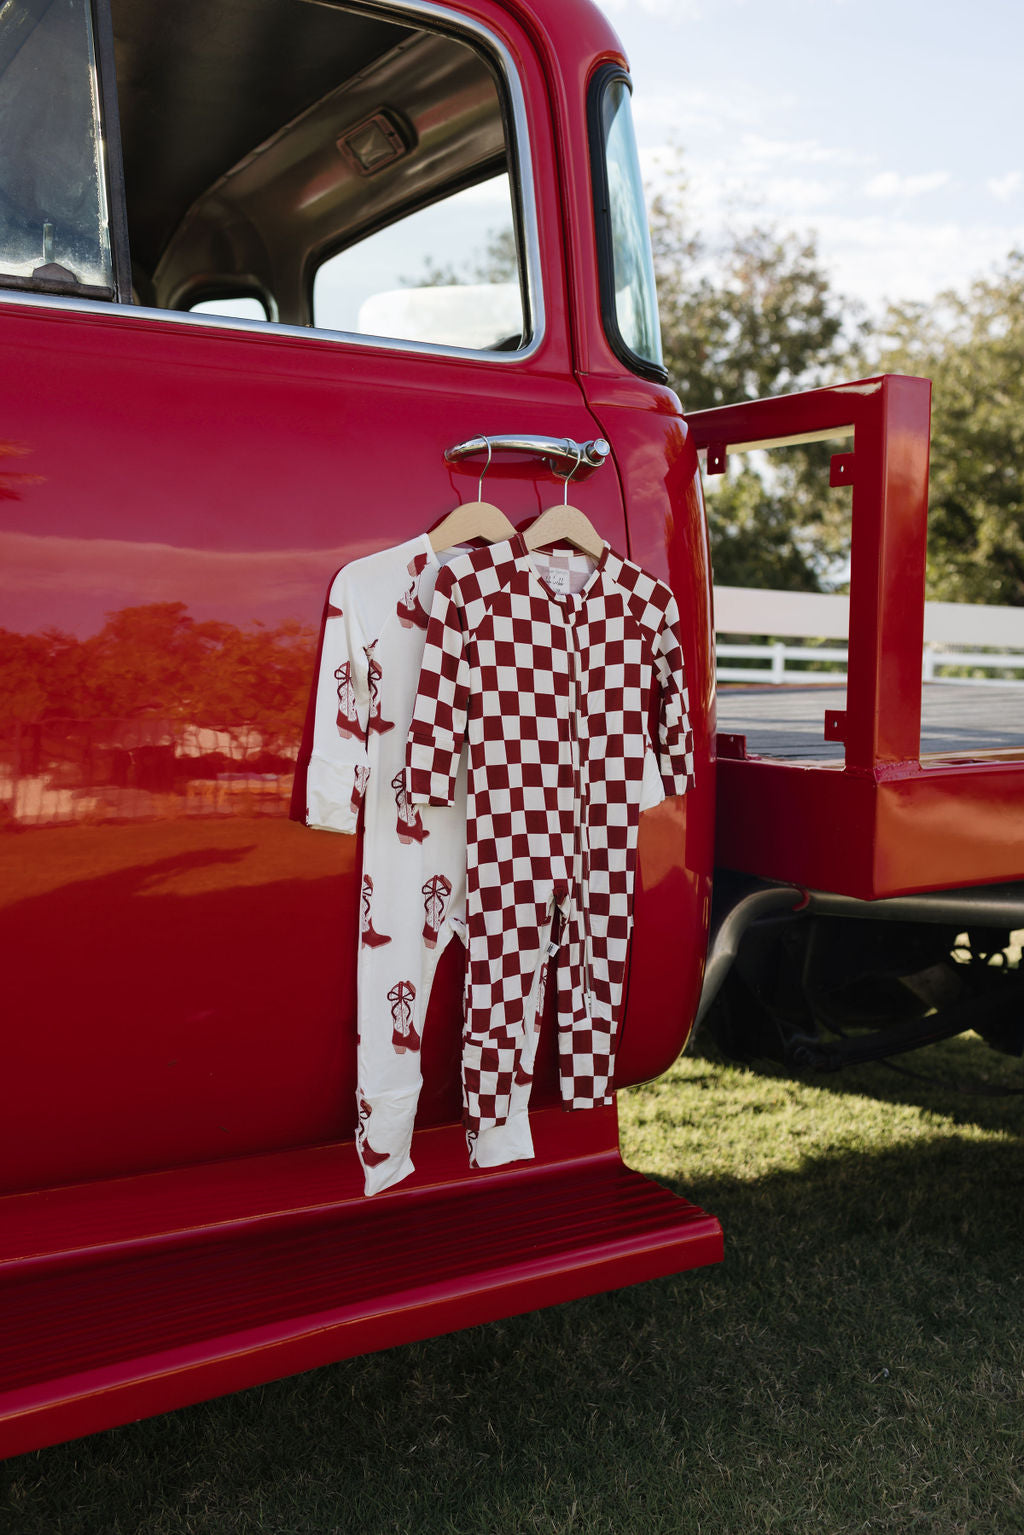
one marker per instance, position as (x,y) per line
(447,274)
(365,188)
(54,229)
(636,302)
(244,308)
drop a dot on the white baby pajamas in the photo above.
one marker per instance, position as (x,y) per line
(554,666)
(414,861)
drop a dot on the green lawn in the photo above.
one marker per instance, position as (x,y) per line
(855,1365)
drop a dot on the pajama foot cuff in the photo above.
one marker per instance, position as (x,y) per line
(498,1144)
(334,793)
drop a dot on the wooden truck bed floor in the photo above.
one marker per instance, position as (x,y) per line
(788,722)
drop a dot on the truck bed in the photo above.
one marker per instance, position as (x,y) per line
(792,806)
(900,798)
(957,721)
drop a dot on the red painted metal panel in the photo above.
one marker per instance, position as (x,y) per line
(890,520)
(935,829)
(812,826)
(950,825)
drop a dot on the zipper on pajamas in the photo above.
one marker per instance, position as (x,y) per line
(577,768)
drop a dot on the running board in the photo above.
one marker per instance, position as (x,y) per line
(129,1298)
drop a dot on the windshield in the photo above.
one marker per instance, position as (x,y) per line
(632,267)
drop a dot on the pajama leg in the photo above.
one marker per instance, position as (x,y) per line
(410,915)
(590,980)
(508,957)
(513,1142)
(393,1009)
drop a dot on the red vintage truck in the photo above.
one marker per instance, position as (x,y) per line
(278,279)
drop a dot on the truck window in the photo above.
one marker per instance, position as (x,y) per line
(395,284)
(346,169)
(629,295)
(54,225)
(234,307)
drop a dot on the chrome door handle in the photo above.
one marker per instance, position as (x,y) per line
(563,454)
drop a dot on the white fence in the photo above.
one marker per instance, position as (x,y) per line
(989,641)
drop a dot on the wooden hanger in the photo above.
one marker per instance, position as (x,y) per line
(565,523)
(473,519)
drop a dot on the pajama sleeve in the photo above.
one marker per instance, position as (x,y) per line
(438,728)
(338,766)
(675,737)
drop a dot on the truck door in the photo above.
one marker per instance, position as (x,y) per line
(346,255)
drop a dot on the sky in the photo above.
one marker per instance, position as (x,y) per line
(892,129)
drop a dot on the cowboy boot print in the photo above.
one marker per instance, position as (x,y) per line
(348,717)
(403,1035)
(369,938)
(410,826)
(410,611)
(370,1158)
(375,672)
(435,904)
(360,778)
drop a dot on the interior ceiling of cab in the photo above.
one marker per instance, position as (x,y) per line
(202,82)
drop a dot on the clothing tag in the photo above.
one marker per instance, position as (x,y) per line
(558,580)
(552,949)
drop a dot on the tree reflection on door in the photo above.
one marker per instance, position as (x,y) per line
(158,714)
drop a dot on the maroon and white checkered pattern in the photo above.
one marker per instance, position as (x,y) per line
(554,690)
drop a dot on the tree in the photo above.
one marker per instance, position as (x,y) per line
(11,485)
(751,316)
(498,262)
(156,659)
(971,346)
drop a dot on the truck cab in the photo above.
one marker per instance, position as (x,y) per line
(263,265)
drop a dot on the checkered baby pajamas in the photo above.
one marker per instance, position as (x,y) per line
(553,666)
(414,861)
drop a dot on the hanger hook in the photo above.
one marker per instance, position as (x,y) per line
(480,482)
(572,471)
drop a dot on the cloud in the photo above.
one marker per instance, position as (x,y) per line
(1003,187)
(878,258)
(890,184)
(747,189)
(797,194)
(873,252)
(680,114)
(800,152)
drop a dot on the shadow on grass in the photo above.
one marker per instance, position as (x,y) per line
(855,1364)
(963,1079)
